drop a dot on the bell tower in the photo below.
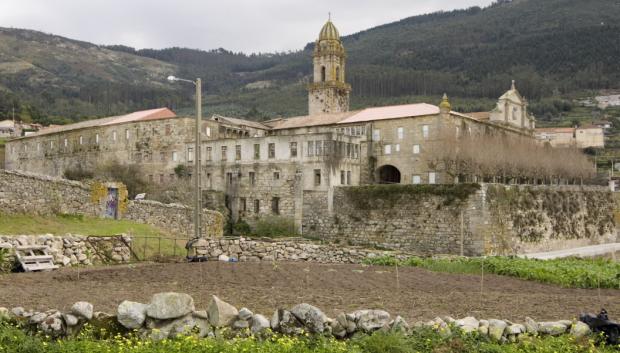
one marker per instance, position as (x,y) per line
(328,92)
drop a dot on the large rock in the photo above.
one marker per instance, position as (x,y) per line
(310,316)
(468,324)
(131,314)
(400,325)
(5,314)
(371,320)
(170,305)
(186,325)
(259,323)
(70,320)
(288,323)
(82,309)
(37,318)
(52,326)
(552,328)
(580,329)
(496,329)
(245,314)
(221,313)
(531,326)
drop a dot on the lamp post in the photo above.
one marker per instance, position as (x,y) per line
(197,196)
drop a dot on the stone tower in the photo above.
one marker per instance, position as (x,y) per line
(328,92)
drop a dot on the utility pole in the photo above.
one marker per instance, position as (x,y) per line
(198,205)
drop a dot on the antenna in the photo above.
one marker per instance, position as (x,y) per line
(329,16)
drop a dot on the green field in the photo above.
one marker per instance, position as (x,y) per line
(17,224)
(567,272)
(425,341)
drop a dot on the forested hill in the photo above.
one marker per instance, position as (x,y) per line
(553,48)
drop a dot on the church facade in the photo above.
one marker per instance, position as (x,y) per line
(268,168)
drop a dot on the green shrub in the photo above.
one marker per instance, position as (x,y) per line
(275,226)
(241,227)
(567,272)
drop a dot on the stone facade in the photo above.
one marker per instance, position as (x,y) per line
(44,195)
(495,219)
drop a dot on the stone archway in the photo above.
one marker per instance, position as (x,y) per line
(388,174)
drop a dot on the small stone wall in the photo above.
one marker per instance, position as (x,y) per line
(73,250)
(244,249)
(171,314)
(26,193)
(175,218)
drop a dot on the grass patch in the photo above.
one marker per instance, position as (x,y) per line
(426,341)
(18,224)
(567,272)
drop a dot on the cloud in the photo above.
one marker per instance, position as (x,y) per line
(238,25)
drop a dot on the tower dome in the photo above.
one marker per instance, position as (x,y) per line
(329,32)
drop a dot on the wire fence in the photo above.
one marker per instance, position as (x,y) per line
(157,248)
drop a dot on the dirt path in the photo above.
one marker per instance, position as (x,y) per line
(418,294)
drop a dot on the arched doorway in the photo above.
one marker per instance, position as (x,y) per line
(388,174)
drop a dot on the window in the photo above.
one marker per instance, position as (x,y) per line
(275,205)
(310,148)
(113,135)
(161,178)
(276,175)
(81,140)
(272,150)
(66,143)
(256,151)
(397,147)
(318,148)
(97,138)
(256,206)
(349,177)
(458,131)
(162,156)
(387,149)
(51,144)
(175,156)
(224,149)
(376,135)
(322,73)
(432,178)
(425,131)
(401,133)
(126,134)
(416,149)
(229,178)
(293,149)
(238,152)
(317,177)
(342,177)
(242,204)
(209,153)
(209,180)
(416,179)
(208,131)
(38,146)
(356,151)
(338,73)
(190,154)
(168,129)
(252,176)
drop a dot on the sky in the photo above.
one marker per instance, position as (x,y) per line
(250,26)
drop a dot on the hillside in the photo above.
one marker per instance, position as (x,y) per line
(556,50)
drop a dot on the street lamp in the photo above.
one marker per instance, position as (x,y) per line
(197,196)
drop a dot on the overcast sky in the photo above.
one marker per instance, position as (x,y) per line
(238,25)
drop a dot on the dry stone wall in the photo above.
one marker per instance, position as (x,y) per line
(72,250)
(294,249)
(26,193)
(171,314)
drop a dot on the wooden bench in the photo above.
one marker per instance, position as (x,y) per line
(35,258)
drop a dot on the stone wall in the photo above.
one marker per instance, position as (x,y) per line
(169,315)
(462,219)
(174,218)
(72,250)
(294,249)
(25,193)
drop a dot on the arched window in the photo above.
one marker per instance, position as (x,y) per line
(322,73)
(338,73)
